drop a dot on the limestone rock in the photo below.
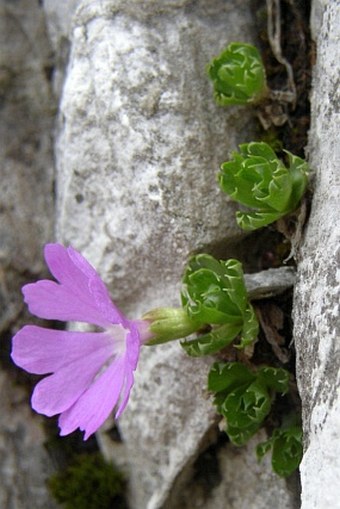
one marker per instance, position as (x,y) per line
(26,192)
(26,217)
(141,140)
(24,463)
(316,308)
(58,16)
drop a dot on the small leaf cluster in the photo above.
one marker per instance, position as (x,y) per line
(89,483)
(238,75)
(214,293)
(245,397)
(286,446)
(257,179)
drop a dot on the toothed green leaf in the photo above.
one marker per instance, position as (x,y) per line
(287,450)
(239,436)
(212,342)
(228,376)
(250,328)
(247,405)
(276,379)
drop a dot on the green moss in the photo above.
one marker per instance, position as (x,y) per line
(89,483)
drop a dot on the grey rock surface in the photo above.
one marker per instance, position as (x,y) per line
(24,463)
(26,223)
(222,472)
(167,423)
(316,308)
(140,141)
(26,191)
(266,283)
(59,16)
(137,150)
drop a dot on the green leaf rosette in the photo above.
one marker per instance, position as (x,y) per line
(257,179)
(238,75)
(245,397)
(214,293)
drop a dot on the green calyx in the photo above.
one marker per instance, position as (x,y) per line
(238,75)
(257,179)
(168,324)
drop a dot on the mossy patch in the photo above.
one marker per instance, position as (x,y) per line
(89,482)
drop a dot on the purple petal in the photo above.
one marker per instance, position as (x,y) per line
(69,267)
(52,301)
(125,393)
(39,350)
(133,344)
(80,296)
(96,403)
(58,392)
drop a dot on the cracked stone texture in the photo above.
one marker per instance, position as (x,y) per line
(316,308)
(139,144)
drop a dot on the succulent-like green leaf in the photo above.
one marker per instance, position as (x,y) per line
(228,376)
(238,75)
(263,448)
(213,341)
(250,221)
(276,379)
(240,436)
(257,179)
(250,327)
(287,450)
(247,405)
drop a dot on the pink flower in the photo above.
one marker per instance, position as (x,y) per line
(90,373)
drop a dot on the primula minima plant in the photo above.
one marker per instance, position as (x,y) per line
(238,75)
(256,178)
(89,373)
